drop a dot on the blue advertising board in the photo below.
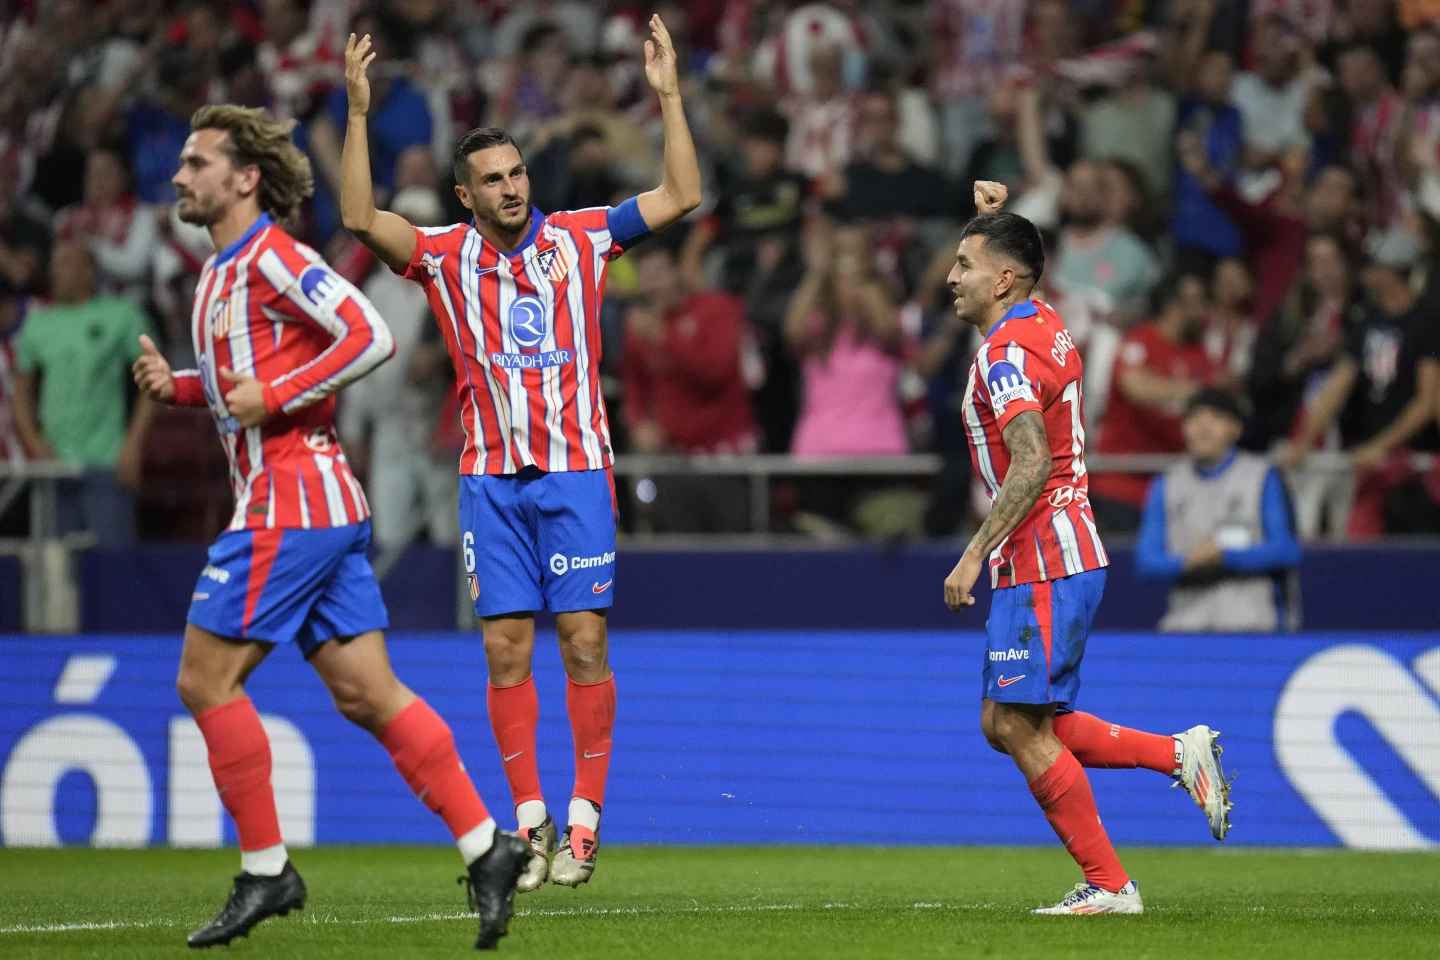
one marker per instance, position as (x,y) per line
(750,737)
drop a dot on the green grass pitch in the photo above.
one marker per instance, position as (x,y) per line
(696,903)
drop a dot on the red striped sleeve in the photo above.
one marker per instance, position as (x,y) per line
(305,290)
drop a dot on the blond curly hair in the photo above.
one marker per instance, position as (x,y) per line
(255,137)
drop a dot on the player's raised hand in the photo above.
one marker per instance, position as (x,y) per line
(152,372)
(246,402)
(990,196)
(661,67)
(961,581)
(358,57)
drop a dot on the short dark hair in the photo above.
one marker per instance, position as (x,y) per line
(481,138)
(1010,235)
(765,125)
(1221,401)
(1167,291)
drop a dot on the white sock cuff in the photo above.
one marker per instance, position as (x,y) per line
(475,842)
(531,813)
(267,862)
(585,814)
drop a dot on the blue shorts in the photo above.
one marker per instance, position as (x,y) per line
(289,586)
(536,540)
(1035,639)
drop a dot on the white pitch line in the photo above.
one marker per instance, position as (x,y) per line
(314,918)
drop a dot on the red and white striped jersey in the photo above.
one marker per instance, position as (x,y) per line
(268,306)
(1029,362)
(523,331)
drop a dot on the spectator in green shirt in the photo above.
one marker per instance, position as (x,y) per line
(79,349)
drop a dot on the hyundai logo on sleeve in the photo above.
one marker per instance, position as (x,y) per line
(527,321)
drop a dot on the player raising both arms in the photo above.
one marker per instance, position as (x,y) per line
(276,333)
(517,295)
(1023,412)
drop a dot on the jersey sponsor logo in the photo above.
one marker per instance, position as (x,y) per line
(1064,343)
(997,655)
(532,361)
(216,574)
(1062,497)
(322,288)
(1006,385)
(528,321)
(561,564)
(319,440)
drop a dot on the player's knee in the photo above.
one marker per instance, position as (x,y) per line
(200,691)
(1009,731)
(987,727)
(586,646)
(360,703)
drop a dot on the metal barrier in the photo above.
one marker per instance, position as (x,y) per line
(50,603)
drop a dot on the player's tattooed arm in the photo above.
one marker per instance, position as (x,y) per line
(1025,480)
(1030,467)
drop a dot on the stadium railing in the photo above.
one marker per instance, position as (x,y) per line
(49,600)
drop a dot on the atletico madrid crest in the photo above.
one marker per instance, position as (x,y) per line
(474,587)
(220,318)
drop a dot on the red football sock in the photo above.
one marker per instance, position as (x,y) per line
(239,754)
(514,714)
(423,749)
(1097,743)
(1063,792)
(592,717)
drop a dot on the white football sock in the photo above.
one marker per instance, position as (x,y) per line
(264,863)
(531,813)
(473,843)
(585,814)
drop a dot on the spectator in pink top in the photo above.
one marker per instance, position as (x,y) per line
(845,331)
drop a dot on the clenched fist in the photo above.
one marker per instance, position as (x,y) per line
(990,196)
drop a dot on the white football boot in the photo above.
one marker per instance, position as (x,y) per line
(1087,899)
(1201,776)
(541,840)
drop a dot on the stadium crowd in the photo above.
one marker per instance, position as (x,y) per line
(1237,193)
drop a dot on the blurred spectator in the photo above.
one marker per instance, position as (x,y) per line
(909,208)
(79,350)
(157,124)
(589,103)
(844,328)
(1272,100)
(1200,227)
(1160,365)
(759,201)
(1218,529)
(975,42)
(1383,391)
(1135,122)
(685,390)
(1294,352)
(298,62)
(536,97)
(822,119)
(24,236)
(576,22)
(1277,225)
(785,61)
(399,119)
(1230,333)
(387,419)
(12,448)
(119,232)
(1099,255)
(1378,118)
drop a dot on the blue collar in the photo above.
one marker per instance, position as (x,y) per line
(1219,468)
(234,248)
(1026,309)
(537,220)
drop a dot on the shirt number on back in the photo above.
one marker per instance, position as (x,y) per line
(1072,396)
